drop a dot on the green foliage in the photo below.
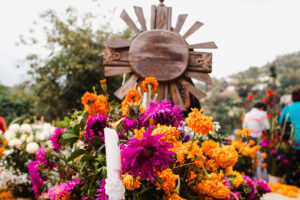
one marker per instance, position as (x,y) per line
(14,102)
(72,66)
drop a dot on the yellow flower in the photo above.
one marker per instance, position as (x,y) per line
(226,156)
(139,133)
(170,134)
(149,81)
(199,123)
(168,181)
(264,155)
(130,183)
(208,147)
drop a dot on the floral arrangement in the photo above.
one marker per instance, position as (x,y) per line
(163,155)
(248,160)
(18,147)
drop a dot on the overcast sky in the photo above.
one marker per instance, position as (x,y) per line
(247,32)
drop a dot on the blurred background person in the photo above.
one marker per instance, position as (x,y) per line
(257,120)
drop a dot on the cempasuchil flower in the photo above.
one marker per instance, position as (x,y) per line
(199,123)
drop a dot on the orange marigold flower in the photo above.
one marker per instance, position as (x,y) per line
(213,188)
(226,156)
(139,133)
(245,132)
(149,81)
(132,97)
(94,104)
(199,123)
(286,190)
(211,165)
(264,165)
(170,134)
(168,181)
(264,155)
(175,197)
(238,177)
(103,81)
(208,146)
(251,142)
(191,175)
(187,151)
(130,183)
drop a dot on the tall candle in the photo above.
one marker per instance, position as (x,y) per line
(114,187)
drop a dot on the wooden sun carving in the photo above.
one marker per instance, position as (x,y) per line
(161,52)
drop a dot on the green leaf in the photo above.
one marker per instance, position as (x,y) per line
(76,130)
(67,120)
(69,136)
(97,140)
(61,124)
(75,154)
(86,158)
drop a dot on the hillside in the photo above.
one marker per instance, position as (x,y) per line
(226,96)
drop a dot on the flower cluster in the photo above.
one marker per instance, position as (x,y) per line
(163,155)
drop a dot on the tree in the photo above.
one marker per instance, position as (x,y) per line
(73,65)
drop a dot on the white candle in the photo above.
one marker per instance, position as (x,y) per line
(114,187)
(144,100)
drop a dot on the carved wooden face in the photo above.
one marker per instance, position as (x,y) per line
(160,52)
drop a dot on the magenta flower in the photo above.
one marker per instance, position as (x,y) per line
(226,183)
(273,151)
(263,185)
(237,194)
(40,157)
(142,157)
(95,127)
(250,183)
(163,114)
(55,137)
(131,124)
(101,195)
(36,180)
(286,162)
(59,190)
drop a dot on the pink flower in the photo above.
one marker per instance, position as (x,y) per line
(273,151)
(59,190)
(55,138)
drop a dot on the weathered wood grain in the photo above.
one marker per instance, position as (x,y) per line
(118,43)
(140,15)
(199,76)
(129,84)
(115,63)
(176,95)
(197,93)
(205,45)
(193,29)
(161,17)
(114,71)
(180,21)
(129,22)
(159,53)
(200,61)
(169,19)
(153,17)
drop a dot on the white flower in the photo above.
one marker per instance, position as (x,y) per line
(9,135)
(217,126)
(29,139)
(26,129)
(49,144)
(8,152)
(40,136)
(15,142)
(80,145)
(23,137)
(32,147)
(14,128)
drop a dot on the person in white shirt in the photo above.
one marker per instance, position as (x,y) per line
(257,120)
